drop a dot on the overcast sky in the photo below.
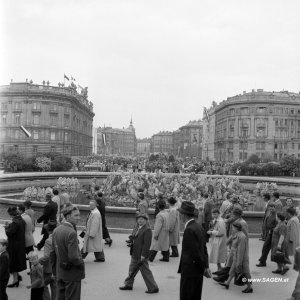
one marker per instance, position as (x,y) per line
(159,61)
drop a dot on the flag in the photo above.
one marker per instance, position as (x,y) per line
(195,139)
(65,76)
(72,78)
(104,139)
(206,114)
(27,133)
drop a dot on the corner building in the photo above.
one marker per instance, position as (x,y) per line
(258,122)
(58,118)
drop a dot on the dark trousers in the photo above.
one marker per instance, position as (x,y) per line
(191,288)
(98,255)
(37,293)
(175,251)
(145,271)
(68,290)
(3,284)
(266,248)
(153,253)
(41,243)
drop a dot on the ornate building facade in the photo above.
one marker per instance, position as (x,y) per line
(58,118)
(116,141)
(258,122)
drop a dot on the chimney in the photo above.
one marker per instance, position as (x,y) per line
(244,92)
(253,91)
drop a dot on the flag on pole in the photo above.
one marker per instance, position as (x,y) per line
(65,76)
(206,113)
(104,139)
(27,133)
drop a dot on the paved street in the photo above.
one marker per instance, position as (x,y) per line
(103,279)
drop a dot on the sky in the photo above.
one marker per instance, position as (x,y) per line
(158,61)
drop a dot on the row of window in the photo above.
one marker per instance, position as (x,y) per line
(35,106)
(259,146)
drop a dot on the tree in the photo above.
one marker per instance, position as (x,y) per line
(290,165)
(253,159)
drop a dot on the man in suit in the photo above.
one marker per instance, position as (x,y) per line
(270,224)
(194,259)
(139,251)
(66,257)
(49,213)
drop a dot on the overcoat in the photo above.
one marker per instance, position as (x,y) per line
(66,251)
(161,231)
(240,249)
(15,232)
(218,251)
(93,238)
(293,233)
(174,226)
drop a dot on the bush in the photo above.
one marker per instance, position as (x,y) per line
(61,163)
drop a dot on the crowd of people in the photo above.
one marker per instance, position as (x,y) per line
(57,272)
(154,164)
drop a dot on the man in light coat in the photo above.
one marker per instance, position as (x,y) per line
(174,227)
(160,238)
(93,236)
(293,231)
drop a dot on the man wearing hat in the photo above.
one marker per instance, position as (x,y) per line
(194,258)
(49,213)
(45,262)
(240,263)
(139,251)
(69,265)
(174,227)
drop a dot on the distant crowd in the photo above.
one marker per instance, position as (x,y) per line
(154,164)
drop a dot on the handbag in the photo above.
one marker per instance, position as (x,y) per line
(278,257)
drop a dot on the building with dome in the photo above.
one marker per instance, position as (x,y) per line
(256,122)
(55,118)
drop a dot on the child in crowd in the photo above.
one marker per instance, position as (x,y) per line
(4,268)
(37,277)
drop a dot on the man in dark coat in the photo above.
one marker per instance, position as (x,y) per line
(49,213)
(270,224)
(66,257)
(208,207)
(101,208)
(139,251)
(194,258)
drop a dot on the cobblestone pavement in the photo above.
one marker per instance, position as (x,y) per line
(103,279)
